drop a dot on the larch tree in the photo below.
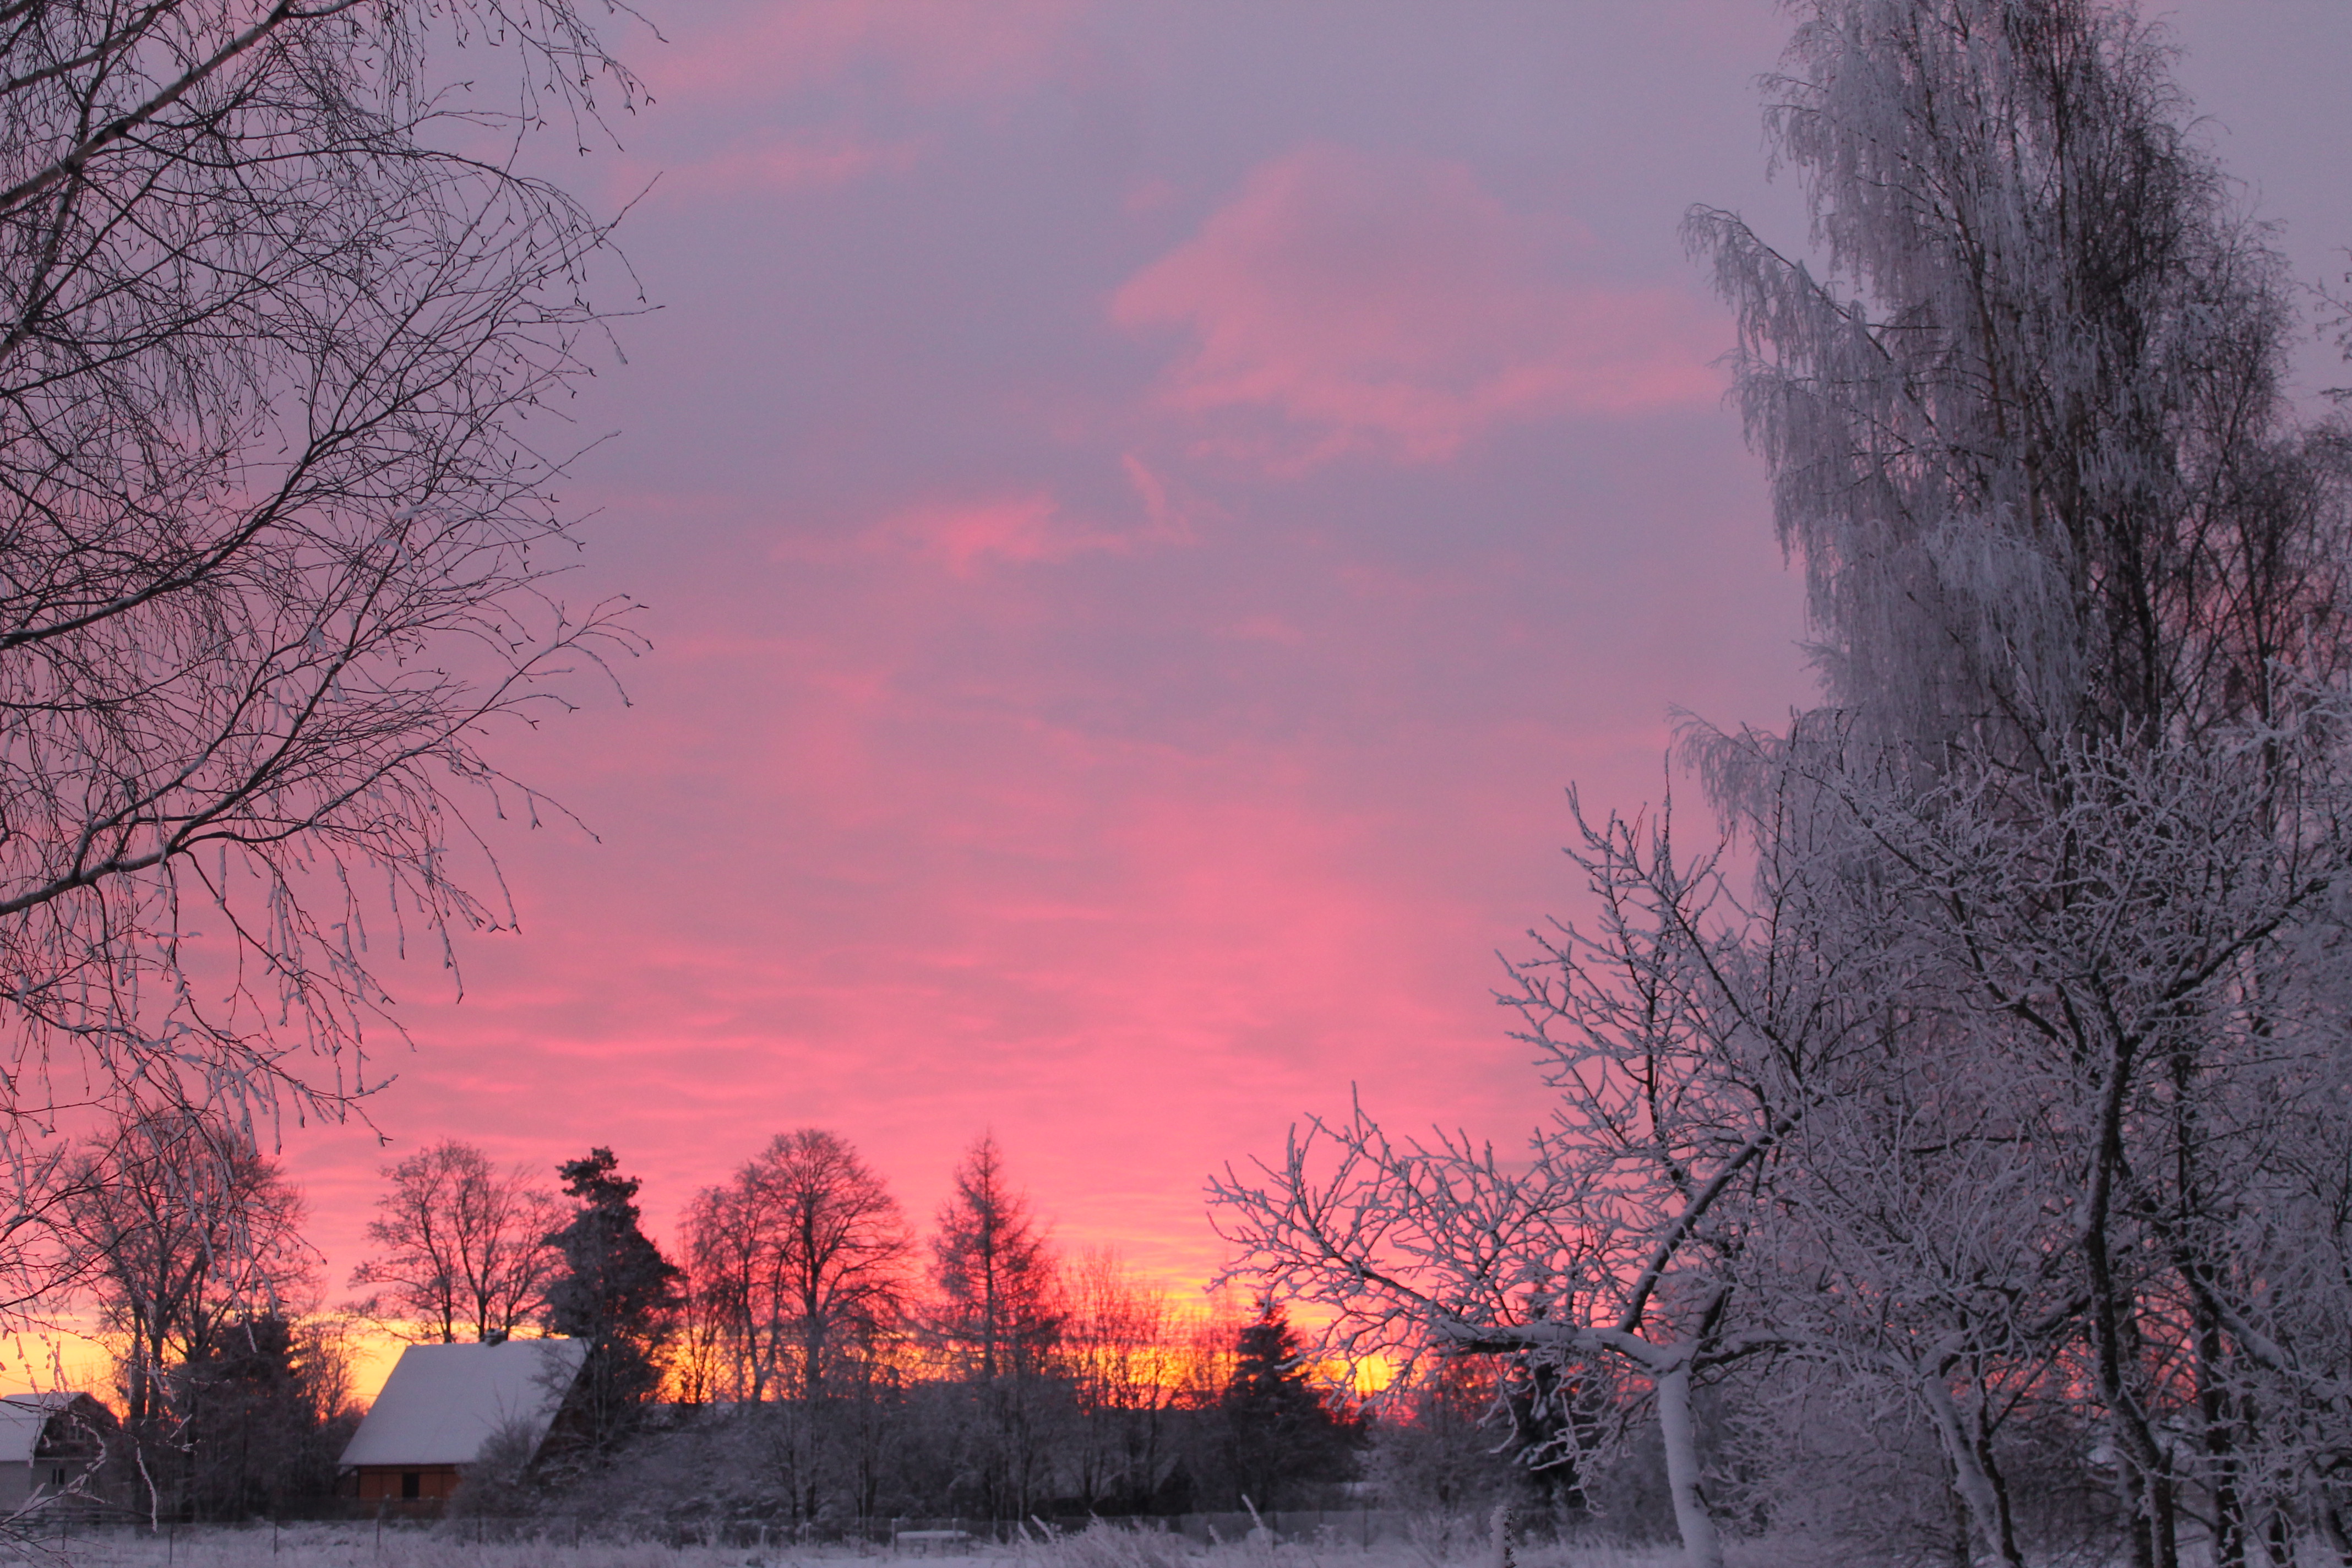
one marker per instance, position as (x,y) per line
(997,1309)
(996,1316)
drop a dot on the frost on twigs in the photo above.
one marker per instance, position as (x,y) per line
(279,543)
(1984,1088)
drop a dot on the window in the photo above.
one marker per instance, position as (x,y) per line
(412,1485)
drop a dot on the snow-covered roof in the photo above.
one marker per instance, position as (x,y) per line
(23,1418)
(443,1402)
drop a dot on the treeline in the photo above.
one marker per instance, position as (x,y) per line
(809,1355)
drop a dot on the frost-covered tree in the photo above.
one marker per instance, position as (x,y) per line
(2026,425)
(2003,1078)
(2077,574)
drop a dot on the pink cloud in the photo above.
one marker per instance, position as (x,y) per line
(964,535)
(1021,528)
(1394,305)
(948,50)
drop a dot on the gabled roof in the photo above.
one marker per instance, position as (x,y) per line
(442,1402)
(23,1418)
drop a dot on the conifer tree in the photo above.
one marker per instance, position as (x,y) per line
(996,1315)
(617,1292)
(1279,1430)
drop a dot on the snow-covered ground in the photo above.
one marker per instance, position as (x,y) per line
(358,1546)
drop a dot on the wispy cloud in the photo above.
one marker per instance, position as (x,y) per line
(787,161)
(1394,305)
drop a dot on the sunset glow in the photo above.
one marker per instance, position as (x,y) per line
(1142,511)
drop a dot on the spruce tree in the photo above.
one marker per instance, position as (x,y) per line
(1280,1432)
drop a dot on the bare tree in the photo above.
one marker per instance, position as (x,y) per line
(1123,1348)
(808,1250)
(184,1230)
(464,1245)
(274,306)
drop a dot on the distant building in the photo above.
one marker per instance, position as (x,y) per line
(48,1442)
(443,1403)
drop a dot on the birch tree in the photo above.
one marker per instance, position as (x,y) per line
(275,299)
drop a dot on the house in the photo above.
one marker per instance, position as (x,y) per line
(443,1403)
(47,1442)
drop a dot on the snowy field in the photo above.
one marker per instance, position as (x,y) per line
(358,1546)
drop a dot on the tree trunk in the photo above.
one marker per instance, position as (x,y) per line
(1968,1477)
(1701,1547)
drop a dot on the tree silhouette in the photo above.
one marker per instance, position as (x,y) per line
(1279,1431)
(616,1291)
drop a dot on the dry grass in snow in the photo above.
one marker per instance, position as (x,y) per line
(358,1546)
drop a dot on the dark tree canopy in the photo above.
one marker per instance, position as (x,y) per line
(1280,1432)
(616,1291)
(267,1413)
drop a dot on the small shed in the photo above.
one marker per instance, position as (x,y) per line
(48,1442)
(443,1403)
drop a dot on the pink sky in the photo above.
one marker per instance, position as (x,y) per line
(1142,510)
